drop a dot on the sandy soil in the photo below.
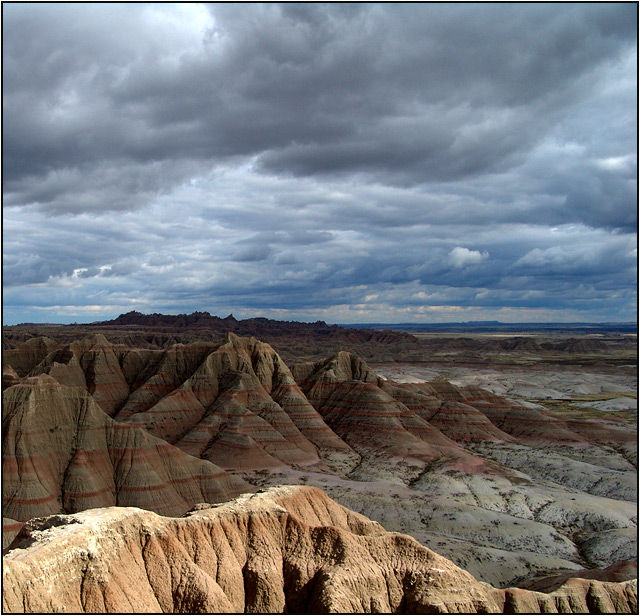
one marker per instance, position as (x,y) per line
(613,405)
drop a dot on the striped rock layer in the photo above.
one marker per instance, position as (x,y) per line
(234,403)
(62,452)
(462,414)
(237,405)
(29,354)
(287,550)
(405,421)
(527,425)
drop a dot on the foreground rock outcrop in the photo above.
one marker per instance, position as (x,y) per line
(288,549)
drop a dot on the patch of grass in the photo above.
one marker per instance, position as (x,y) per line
(564,409)
(605,395)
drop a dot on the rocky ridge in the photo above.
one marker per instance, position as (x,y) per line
(62,452)
(289,549)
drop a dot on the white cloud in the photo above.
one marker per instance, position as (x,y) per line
(461,257)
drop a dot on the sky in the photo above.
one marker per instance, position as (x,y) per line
(346,162)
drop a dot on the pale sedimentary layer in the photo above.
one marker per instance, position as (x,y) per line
(288,549)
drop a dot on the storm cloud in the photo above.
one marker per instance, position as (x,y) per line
(352,162)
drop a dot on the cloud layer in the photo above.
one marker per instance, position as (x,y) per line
(353,162)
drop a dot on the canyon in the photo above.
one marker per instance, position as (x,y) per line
(506,466)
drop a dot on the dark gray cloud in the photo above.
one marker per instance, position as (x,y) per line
(303,157)
(252,253)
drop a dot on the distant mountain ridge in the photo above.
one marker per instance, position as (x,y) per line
(259,327)
(305,341)
(205,319)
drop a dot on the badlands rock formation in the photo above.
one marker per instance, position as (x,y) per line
(287,550)
(505,489)
(29,354)
(235,403)
(252,412)
(61,452)
(368,413)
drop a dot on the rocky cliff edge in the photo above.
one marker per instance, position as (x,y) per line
(288,549)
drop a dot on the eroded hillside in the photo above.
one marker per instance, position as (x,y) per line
(505,489)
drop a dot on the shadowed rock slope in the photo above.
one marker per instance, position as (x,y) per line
(61,452)
(286,550)
(425,422)
(351,400)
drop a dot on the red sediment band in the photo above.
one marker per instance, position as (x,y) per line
(10,465)
(154,488)
(361,414)
(149,449)
(344,424)
(283,425)
(247,447)
(390,409)
(299,410)
(319,429)
(30,501)
(308,420)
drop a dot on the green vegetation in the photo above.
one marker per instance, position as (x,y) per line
(564,409)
